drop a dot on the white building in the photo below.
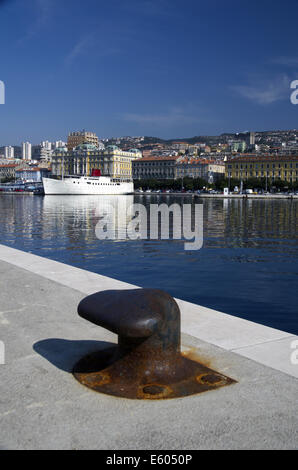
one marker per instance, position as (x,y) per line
(9,152)
(46,145)
(46,154)
(59,144)
(26,151)
(252,138)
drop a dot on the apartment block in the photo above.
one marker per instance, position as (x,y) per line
(26,151)
(9,152)
(282,167)
(174,167)
(81,137)
(155,167)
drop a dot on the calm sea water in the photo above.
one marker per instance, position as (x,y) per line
(248,266)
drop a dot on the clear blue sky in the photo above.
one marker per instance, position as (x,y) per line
(168,68)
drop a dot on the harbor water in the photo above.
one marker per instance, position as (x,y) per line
(247,266)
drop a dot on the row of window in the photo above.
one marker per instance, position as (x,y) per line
(99,184)
(261,174)
(285,172)
(156,172)
(262,165)
(153,163)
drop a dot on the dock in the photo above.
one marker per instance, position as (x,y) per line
(222,196)
(43,407)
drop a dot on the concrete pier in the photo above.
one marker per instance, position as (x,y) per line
(223,196)
(42,406)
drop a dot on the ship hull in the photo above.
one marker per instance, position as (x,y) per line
(86,185)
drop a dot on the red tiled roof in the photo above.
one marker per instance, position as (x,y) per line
(10,165)
(200,161)
(31,169)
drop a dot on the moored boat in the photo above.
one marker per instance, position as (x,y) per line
(87,185)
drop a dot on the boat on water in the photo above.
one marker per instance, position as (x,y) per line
(87,185)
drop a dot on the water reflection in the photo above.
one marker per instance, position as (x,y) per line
(227,223)
(78,215)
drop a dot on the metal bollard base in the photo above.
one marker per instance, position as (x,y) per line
(105,372)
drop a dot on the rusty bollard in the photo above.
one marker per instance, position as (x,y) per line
(147,362)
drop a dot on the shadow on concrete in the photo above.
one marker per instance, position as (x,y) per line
(64,353)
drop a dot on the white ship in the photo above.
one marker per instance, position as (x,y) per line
(87,185)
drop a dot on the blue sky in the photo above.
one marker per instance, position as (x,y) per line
(168,68)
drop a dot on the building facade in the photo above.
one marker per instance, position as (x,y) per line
(238,146)
(252,138)
(176,167)
(155,167)
(42,153)
(283,167)
(31,174)
(9,152)
(8,171)
(59,144)
(82,137)
(198,168)
(111,161)
(26,151)
(46,144)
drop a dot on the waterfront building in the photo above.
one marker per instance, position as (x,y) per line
(208,170)
(26,151)
(275,167)
(82,137)
(8,170)
(9,152)
(111,161)
(34,174)
(175,167)
(155,167)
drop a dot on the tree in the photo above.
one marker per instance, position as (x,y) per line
(7,179)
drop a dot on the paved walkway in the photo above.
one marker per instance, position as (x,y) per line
(43,407)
